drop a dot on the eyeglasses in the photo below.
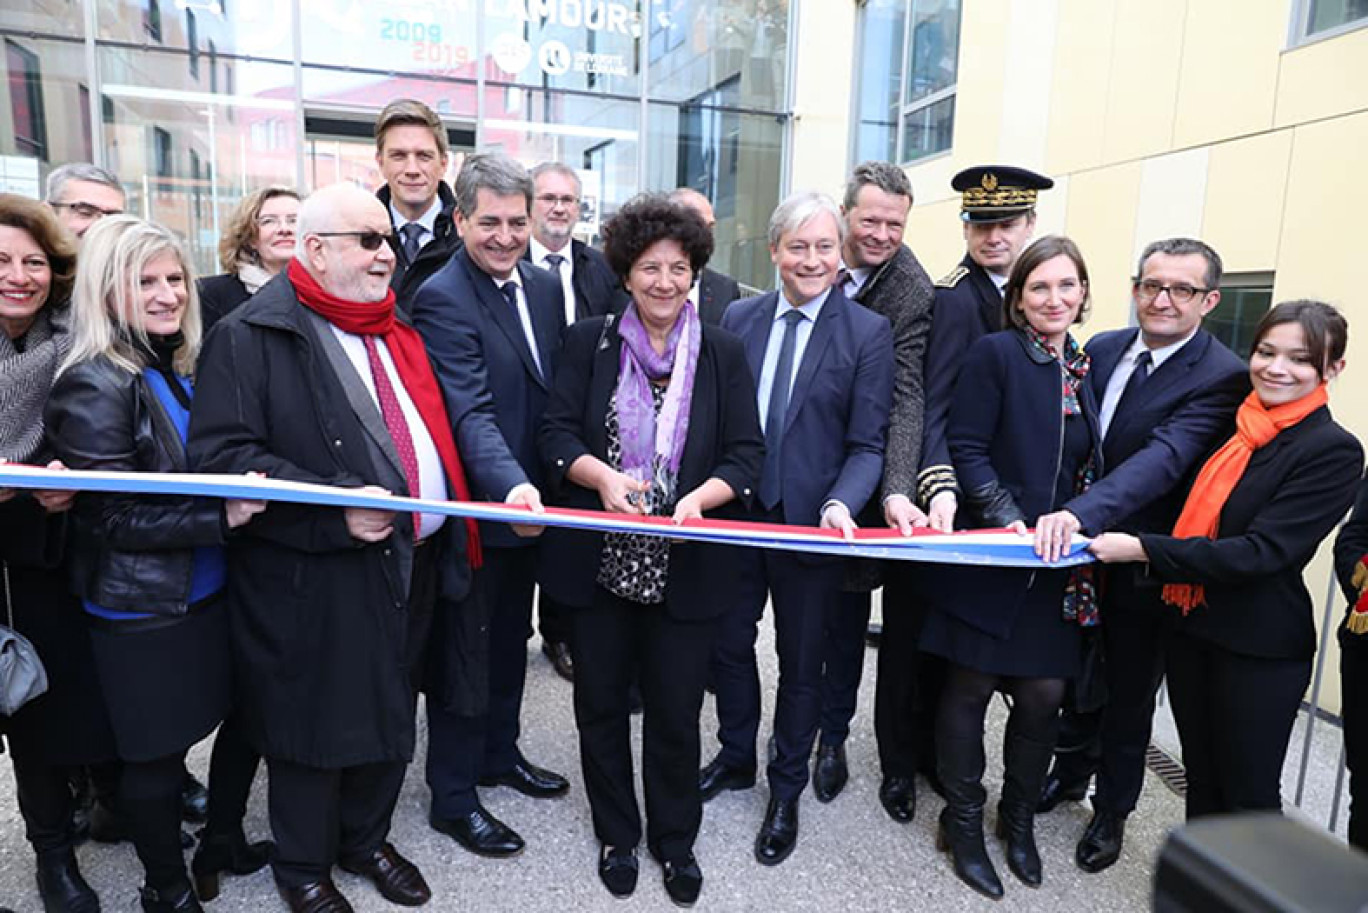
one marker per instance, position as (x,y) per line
(276,221)
(551,199)
(1146,290)
(370,240)
(88,210)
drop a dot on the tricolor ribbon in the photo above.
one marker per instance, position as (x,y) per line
(994,547)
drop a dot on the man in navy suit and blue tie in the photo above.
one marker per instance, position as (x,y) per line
(492,323)
(1168,392)
(824,380)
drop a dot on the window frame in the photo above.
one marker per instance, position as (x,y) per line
(1253,280)
(1298,34)
(28,79)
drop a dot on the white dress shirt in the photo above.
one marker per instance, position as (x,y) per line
(539,254)
(1116,384)
(811,311)
(431,477)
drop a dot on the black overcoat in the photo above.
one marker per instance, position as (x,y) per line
(319,620)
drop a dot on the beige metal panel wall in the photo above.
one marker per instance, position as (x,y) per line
(821,95)
(936,236)
(1246,191)
(1145,58)
(1229,71)
(1103,206)
(1324,79)
(1078,96)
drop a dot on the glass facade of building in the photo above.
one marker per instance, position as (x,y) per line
(193,103)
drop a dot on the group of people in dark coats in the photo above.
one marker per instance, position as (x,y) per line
(458,344)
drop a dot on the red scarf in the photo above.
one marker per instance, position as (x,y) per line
(415,373)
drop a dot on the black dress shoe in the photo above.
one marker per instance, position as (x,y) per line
(717,777)
(397,879)
(180,899)
(1101,844)
(779,834)
(683,880)
(62,887)
(481,833)
(830,774)
(530,780)
(194,800)
(219,853)
(315,897)
(898,795)
(618,869)
(1057,790)
(561,660)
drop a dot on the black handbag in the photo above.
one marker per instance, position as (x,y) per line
(22,676)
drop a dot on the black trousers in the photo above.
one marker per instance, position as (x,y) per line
(462,749)
(149,797)
(843,666)
(45,801)
(908,685)
(1235,715)
(803,595)
(616,640)
(232,768)
(322,816)
(1354,713)
(554,619)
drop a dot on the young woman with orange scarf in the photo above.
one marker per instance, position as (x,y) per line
(1240,661)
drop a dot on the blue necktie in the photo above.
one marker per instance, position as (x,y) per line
(770,488)
(411,232)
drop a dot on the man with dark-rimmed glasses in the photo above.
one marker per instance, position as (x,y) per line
(82,194)
(1168,392)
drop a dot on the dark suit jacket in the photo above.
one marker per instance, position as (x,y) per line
(715,292)
(1153,447)
(1350,545)
(967,306)
(598,290)
(409,277)
(481,354)
(837,421)
(218,296)
(1005,436)
(723,442)
(1290,497)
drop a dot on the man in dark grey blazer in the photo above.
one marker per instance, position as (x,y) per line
(880,272)
(1168,392)
(713,291)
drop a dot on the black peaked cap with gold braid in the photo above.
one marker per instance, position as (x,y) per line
(996,193)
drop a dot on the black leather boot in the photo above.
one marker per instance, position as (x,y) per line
(1027,762)
(180,899)
(219,853)
(960,765)
(62,887)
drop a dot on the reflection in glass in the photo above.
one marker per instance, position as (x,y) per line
(44,17)
(1234,322)
(1330,14)
(695,46)
(187,158)
(932,48)
(588,45)
(734,160)
(46,111)
(597,137)
(928,130)
(882,26)
(255,28)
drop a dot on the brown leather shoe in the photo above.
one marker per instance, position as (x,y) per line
(315,897)
(397,879)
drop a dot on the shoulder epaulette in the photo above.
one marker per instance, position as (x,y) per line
(953,278)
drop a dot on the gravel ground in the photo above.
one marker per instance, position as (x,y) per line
(850,855)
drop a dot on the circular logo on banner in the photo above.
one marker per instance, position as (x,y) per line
(555,58)
(510,52)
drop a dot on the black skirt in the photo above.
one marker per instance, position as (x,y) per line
(68,724)
(166,685)
(1041,644)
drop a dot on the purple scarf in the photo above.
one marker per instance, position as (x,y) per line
(651,449)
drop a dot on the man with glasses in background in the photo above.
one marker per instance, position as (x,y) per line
(82,194)
(1168,392)
(590,289)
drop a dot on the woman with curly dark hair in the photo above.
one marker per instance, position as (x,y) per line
(257,243)
(650,414)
